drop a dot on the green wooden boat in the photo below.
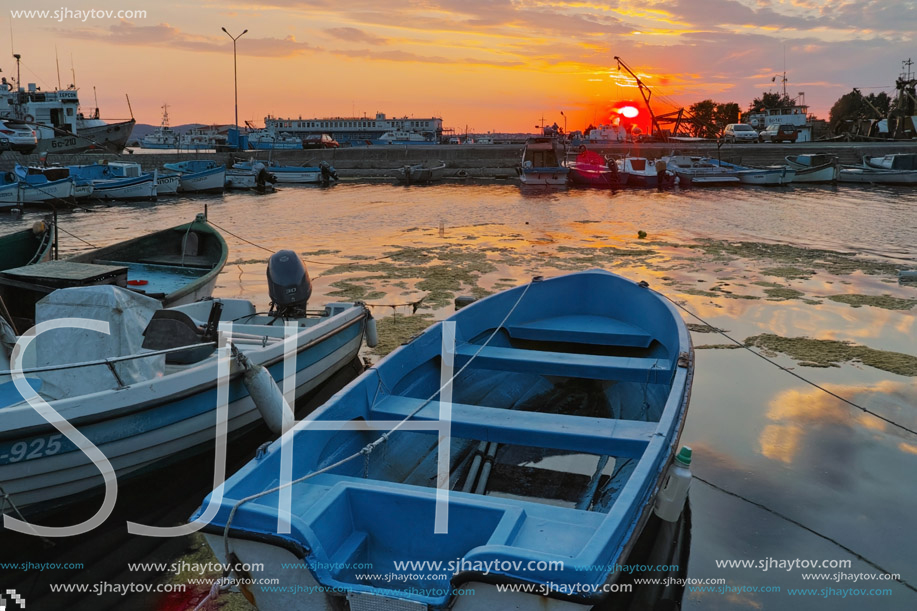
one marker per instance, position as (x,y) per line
(176,266)
(27,246)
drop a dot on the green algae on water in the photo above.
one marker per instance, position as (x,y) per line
(397,329)
(355,292)
(810,352)
(877,301)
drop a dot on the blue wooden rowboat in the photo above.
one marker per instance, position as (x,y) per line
(567,404)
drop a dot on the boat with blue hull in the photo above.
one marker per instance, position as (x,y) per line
(19,187)
(117,181)
(561,403)
(142,413)
(199,175)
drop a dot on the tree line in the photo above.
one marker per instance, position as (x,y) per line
(706,119)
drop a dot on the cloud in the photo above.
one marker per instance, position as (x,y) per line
(125,33)
(356,35)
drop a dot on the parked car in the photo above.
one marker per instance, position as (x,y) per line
(17,137)
(775,132)
(319,141)
(740,132)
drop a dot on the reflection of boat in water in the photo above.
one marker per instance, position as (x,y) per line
(564,413)
(542,162)
(427,171)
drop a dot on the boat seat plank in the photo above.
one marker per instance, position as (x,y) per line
(589,366)
(602,436)
(187,260)
(583,329)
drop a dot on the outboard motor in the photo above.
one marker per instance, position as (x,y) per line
(288,284)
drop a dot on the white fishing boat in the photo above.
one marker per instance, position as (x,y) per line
(32,188)
(56,118)
(814,167)
(428,171)
(267,139)
(542,162)
(700,172)
(292,174)
(164,137)
(895,169)
(140,412)
(767,177)
(258,178)
(199,175)
(82,187)
(117,180)
(167,183)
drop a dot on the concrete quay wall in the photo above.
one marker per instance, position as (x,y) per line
(483,161)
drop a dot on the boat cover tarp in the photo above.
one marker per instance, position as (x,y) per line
(127,314)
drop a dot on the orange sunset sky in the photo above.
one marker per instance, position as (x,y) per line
(487,65)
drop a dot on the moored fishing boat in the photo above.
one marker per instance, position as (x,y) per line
(28,246)
(167,183)
(814,167)
(542,162)
(199,175)
(428,171)
(33,188)
(699,172)
(641,172)
(771,176)
(117,181)
(291,174)
(530,433)
(176,266)
(143,412)
(590,169)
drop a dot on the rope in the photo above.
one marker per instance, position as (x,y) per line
(370,447)
(807,529)
(76,237)
(796,375)
(313,262)
(220,585)
(4,500)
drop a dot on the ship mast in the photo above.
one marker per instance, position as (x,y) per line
(655,130)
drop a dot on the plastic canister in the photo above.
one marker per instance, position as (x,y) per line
(671,498)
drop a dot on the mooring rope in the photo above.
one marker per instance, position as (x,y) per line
(793,373)
(810,530)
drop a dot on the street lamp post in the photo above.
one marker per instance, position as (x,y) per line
(235,72)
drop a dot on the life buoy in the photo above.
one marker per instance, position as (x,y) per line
(28,118)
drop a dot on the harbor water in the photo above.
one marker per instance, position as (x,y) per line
(786,472)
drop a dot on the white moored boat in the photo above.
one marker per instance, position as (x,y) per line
(542,162)
(814,167)
(199,176)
